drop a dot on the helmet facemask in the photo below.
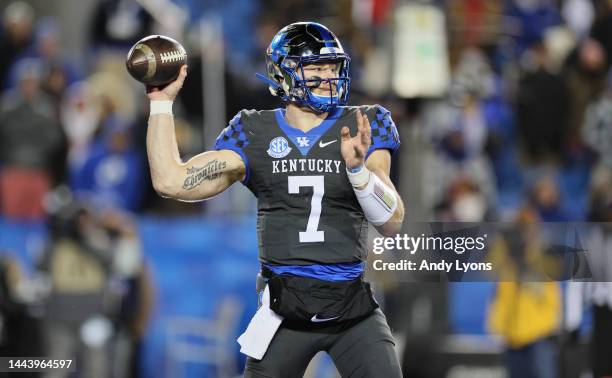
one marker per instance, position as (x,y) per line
(289,74)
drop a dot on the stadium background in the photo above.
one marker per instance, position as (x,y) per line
(503,108)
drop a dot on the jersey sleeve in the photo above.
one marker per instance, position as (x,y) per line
(234,138)
(384,132)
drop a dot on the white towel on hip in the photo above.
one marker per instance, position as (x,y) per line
(255,340)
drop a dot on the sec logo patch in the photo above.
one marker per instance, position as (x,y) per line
(279,147)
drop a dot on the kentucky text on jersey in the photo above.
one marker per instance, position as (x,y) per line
(306,165)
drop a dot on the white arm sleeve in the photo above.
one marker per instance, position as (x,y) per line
(377,200)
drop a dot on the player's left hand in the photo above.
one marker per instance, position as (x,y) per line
(354,149)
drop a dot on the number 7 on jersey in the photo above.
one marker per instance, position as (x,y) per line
(318,189)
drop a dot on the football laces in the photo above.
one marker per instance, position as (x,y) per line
(172,56)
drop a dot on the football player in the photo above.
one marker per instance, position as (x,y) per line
(320,172)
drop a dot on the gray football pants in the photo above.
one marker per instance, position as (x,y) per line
(367,349)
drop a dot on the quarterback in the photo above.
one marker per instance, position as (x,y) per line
(320,172)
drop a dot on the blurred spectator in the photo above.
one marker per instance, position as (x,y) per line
(474,23)
(15,35)
(546,200)
(99,297)
(542,105)
(579,15)
(472,83)
(119,24)
(463,203)
(113,93)
(112,173)
(32,146)
(526,308)
(458,129)
(601,196)
(114,27)
(601,30)
(80,117)
(58,71)
(597,130)
(586,71)
(20,333)
(531,19)
(109,169)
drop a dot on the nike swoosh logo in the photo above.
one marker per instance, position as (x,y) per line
(321,144)
(316,319)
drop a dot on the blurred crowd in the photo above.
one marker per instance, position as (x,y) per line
(521,116)
(507,117)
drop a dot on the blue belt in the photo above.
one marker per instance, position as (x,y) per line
(328,272)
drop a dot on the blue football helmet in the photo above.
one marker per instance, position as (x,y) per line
(298,45)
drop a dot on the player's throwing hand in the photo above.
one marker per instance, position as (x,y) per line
(170,91)
(354,149)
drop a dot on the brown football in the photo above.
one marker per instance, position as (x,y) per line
(156,60)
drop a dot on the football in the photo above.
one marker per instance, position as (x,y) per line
(156,60)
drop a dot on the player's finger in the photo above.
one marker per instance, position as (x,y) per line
(364,139)
(363,135)
(345,134)
(359,125)
(183,72)
(368,127)
(358,118)
(359,121)
(182,75)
